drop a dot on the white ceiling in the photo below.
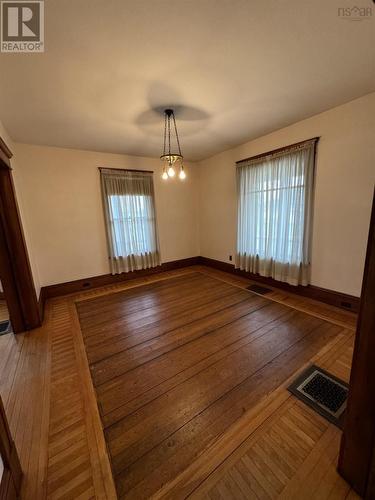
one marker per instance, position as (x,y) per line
(235,69)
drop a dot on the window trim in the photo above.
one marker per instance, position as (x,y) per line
(284,149)
(126,170)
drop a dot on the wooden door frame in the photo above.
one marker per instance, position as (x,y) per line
(357,451)
(10,483)
(16,276)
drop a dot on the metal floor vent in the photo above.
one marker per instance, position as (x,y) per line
(5,327)
(323,392)
(262,290)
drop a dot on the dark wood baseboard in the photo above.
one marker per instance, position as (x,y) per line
(50,291)
(342,300)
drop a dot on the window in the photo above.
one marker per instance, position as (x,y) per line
(274,213)
(129,208)
(131,227)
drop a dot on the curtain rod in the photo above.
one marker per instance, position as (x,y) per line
(278,150)
(127,170)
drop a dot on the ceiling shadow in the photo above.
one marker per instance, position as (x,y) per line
(161,97)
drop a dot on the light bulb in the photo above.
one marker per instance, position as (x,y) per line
(171,172)
(182,174)
(164,176)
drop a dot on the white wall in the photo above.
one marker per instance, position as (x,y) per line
(61,193)
(23,213)
(343,192)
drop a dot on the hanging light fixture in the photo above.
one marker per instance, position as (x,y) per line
(172,161)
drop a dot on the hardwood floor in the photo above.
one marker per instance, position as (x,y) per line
(176,363)
(193,387)
(275,450)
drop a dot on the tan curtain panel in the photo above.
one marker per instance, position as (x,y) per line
(275,202)
(130,216)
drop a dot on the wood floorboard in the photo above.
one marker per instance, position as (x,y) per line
(189,371)
(173,353)
(138,335)
(136,354)
(198,478)
(130,308)
(128,334)
(347,319)
(171,456)
(179,366)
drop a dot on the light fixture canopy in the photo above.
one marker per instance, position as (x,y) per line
(169,157)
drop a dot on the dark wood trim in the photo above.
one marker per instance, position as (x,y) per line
(7,490)
(127,170)
(5,154)
(4,148)
(278,150)
(357,452)
(15,267)
(338,299)
(4,161)
(10,485)
(50,291)
(8,283)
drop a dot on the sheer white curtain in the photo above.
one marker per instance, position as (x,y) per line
(275,196)
(129,209)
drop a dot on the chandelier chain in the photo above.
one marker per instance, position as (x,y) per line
(165,134)
(177,138)
(169,135)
